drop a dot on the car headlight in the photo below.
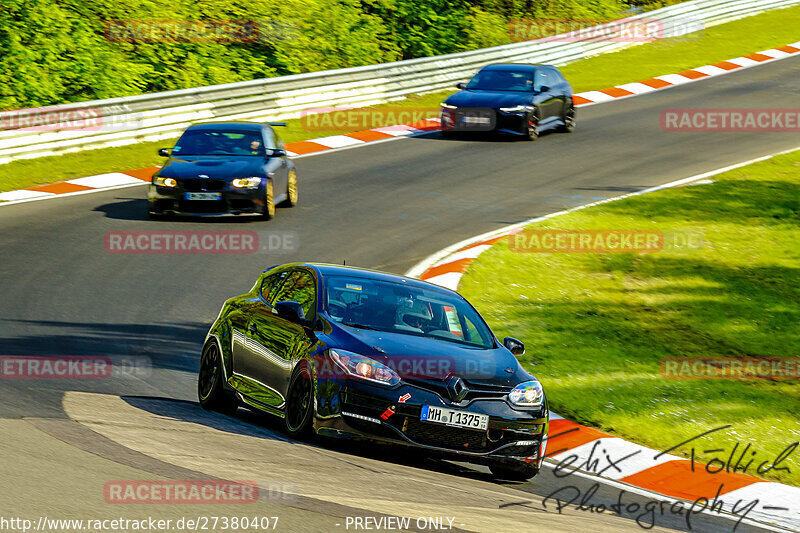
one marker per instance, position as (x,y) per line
(365,368)
(448,106)
(165,182)
(527,394)
(246,183)
(516,109)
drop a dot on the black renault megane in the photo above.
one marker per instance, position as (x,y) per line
(352,353)
(511,98)
(221,168)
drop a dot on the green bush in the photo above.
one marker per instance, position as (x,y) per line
(57,51)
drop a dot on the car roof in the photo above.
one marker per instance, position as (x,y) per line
(228,126)
(522,67)
(326,269)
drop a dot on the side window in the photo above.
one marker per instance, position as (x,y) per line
(269,139)
(472,332)
(543,79)
(301,288)
(558,78)
(270,286)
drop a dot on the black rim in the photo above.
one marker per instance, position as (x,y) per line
(570,118)
(208,371)
(298,402)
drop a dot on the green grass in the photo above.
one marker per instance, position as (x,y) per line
(712,45)
(767,30)
(597,325)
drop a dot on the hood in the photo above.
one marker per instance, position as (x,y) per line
(427,358)
(219,167)
(493,99)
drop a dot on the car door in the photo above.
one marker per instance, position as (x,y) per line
(561,91)
(278,343)
(546,95)
(248,360)
(277,166)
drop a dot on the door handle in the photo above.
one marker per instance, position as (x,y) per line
(253,328)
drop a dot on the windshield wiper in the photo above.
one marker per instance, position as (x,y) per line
(360,326)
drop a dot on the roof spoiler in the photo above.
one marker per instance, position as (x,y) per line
(276,123)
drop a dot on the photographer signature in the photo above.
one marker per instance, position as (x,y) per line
(599,461)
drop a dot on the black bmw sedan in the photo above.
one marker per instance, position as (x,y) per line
(511,98)
(224,169)
(351,353)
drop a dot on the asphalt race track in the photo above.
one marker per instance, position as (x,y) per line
(386,206)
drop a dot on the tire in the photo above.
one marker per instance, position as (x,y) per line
(292,193)
(269,201)
(299,409)
(210,388)
(532,132)
(569,120)
(514,472)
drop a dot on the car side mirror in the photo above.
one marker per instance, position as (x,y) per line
(291,311)
(276,152)
(163,152)
(461,85)
(514,346)
(544,89)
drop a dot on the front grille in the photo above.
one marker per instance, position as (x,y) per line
(162,205)
(203,184)
(241,204)
(511,122)
(474,389)
(485,390)
(446,437)
(487,116)
(202,206)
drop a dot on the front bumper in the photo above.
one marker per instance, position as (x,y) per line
(481,119)
(351,408)
(232,201)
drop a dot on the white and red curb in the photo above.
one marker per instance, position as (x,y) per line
(360,138)
(642,467)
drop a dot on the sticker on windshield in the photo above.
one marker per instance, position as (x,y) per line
(352,286)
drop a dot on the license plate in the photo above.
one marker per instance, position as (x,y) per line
(475,120)
(451,417)
(203,196)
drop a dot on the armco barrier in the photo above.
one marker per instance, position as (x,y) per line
(150,117)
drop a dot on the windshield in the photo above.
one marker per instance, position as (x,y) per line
(386,306)
(502,80)
(206,142)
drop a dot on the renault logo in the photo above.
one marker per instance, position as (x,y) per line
(457,389)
